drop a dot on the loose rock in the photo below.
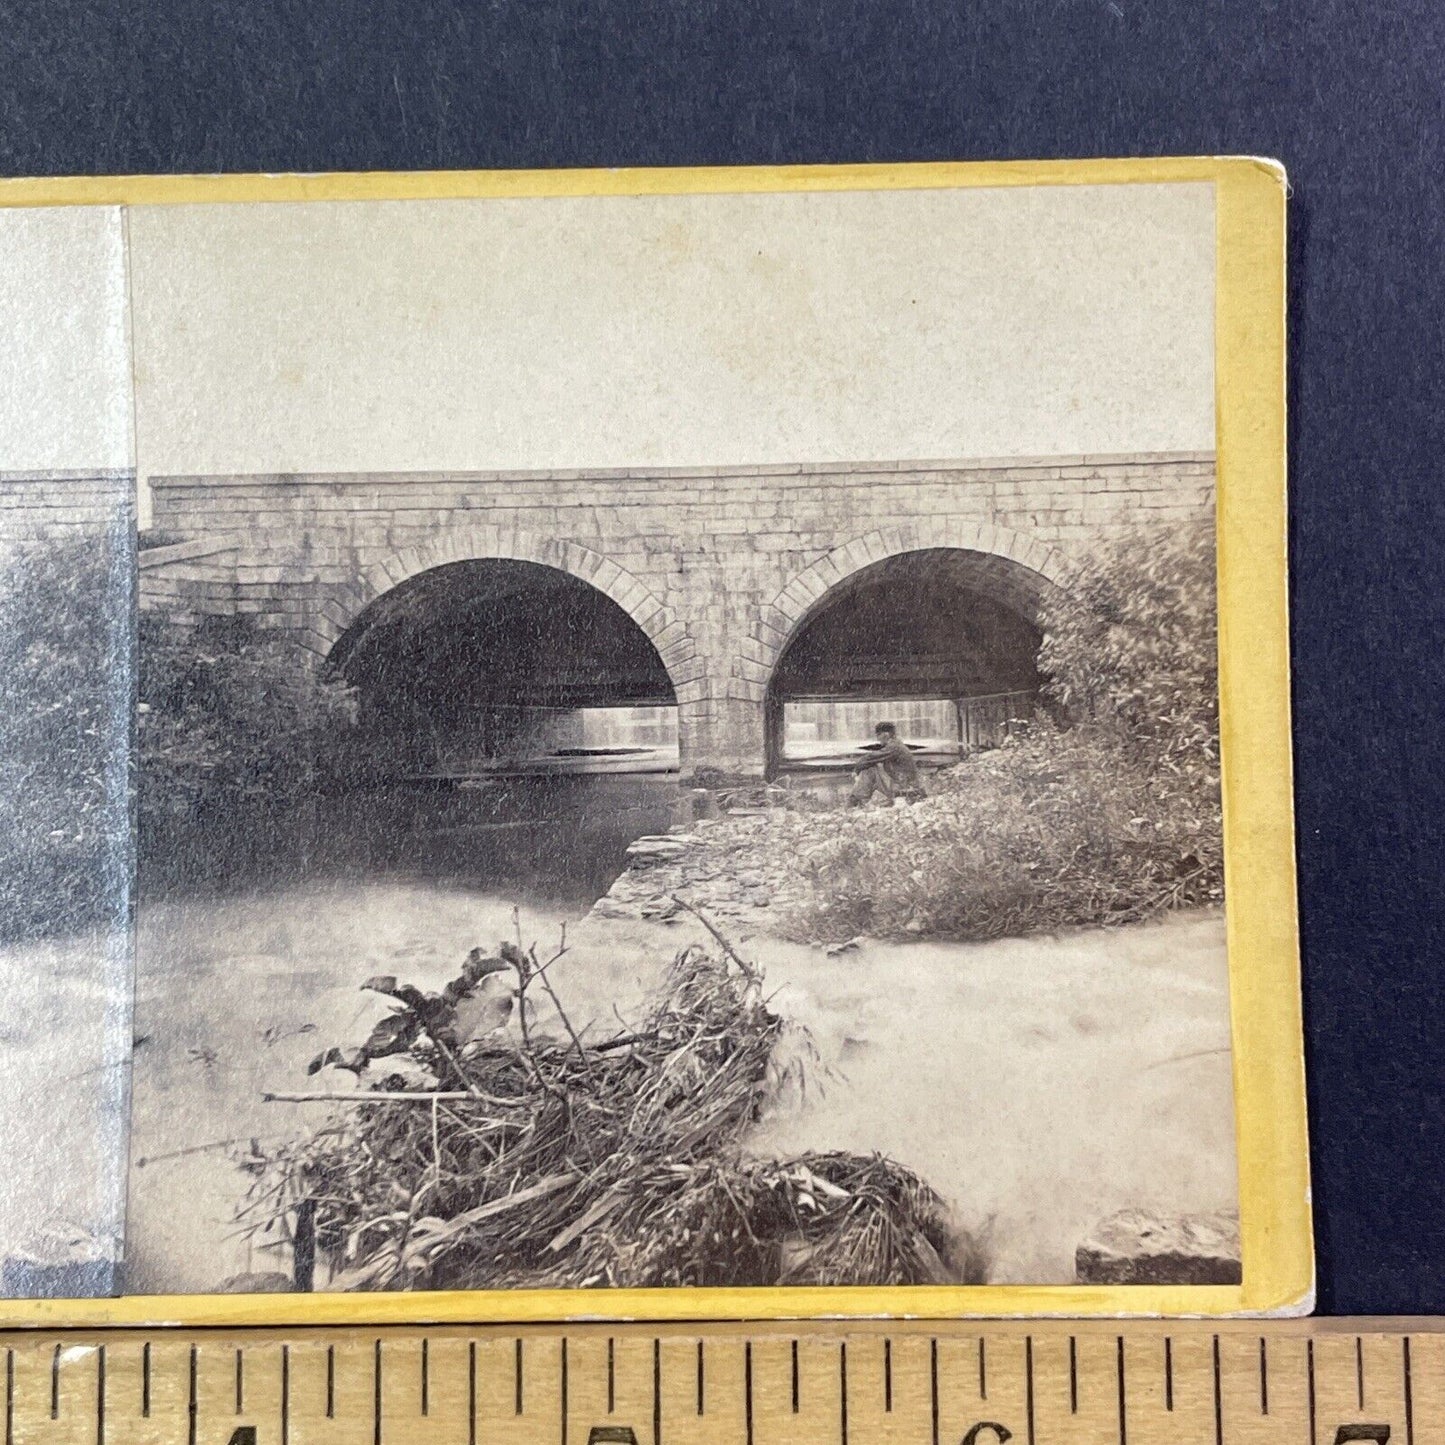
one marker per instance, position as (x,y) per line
(1137,1247)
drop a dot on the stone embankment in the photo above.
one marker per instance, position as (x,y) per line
(744,869)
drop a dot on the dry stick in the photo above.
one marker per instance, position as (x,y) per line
(623,1041)
(523,979)
(727,948)
(541,973)
(378,1096)
(452,1059)
(145,1159)
(436,1145)
(525,973)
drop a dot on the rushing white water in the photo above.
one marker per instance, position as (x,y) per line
(1039,1084)
(63,1042)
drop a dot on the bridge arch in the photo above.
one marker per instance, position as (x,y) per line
(481,643)
(1020,570)
(345,602)
(948,611)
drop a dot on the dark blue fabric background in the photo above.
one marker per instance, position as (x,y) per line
(1350,96)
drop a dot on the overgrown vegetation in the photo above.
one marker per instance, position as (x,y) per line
(227,713)
(64,728)
(490,1150)
(1107,814)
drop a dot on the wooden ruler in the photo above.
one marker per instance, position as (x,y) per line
(1318,1382)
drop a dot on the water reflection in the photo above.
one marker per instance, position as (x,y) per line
(550,841)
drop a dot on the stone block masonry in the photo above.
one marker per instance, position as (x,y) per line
(718,565)
(54,506)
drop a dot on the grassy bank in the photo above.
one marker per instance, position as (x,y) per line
(1047,832)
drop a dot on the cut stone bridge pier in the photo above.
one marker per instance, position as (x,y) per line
(460,601)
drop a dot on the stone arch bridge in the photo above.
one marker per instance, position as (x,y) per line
(729,590)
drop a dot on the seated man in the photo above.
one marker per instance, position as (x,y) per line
(893,773)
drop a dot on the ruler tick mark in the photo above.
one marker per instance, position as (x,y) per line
(1263,1376)
(426,1375)
(1359,1372)
(376,1393)
(191,1402)
(1409,1394)
(285,1392)
(843,1392)
(517,1367)
(1218,1399)
(100,1396)
(331,1382)
(982,1369)
(1073,1376)
(471,1392)
(9,1397)
(1168,1373)
(700,1398)
(563,1373)
(933,1386)
(1123,1403)
(611,1374)
(55,1384)
(748,1389)
(240,1382)
(888,1377)
(657,1392)
(1029,1385)
(145,1381)
(795,1377)
(1310,1382)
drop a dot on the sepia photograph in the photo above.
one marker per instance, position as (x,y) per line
(617,741)
(678,744)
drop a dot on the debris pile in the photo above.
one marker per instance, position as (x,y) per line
(483,1151)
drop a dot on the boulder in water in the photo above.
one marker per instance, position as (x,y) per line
(1136,1246)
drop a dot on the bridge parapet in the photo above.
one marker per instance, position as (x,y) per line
(57,506)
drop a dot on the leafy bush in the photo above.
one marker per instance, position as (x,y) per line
(228,713)
(1131,645)
(1110,817)
(1046,832)
(65,679)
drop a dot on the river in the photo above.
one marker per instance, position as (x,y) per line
(555,841)
(1039,1084)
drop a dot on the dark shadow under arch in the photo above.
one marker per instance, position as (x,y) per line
(489,654)
(935,623)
